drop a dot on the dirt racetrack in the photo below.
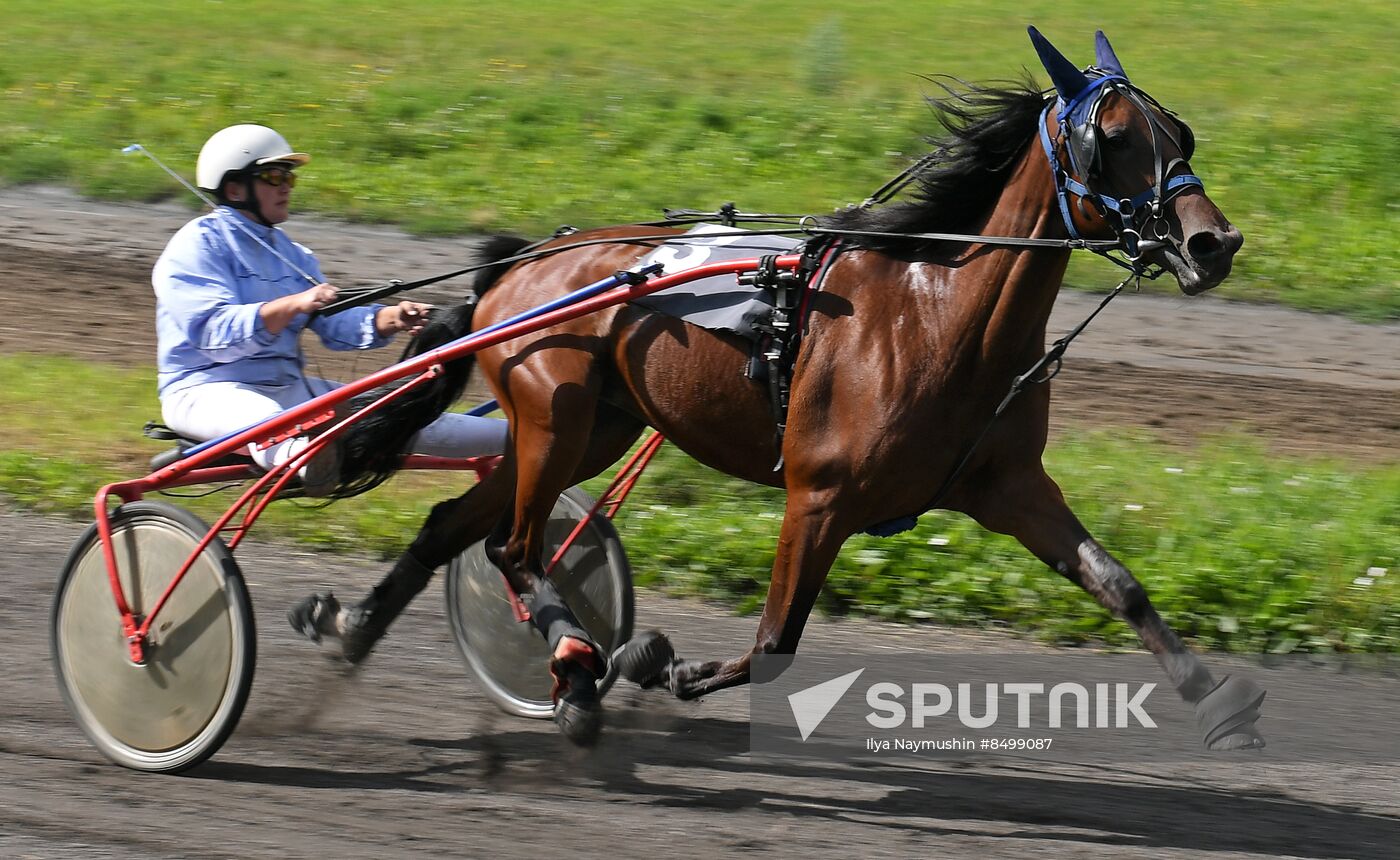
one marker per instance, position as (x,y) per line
(405,758)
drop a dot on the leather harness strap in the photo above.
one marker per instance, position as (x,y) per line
(775,353)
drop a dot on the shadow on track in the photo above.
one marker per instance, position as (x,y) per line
(1115,807)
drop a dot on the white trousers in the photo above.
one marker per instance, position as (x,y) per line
(215,409)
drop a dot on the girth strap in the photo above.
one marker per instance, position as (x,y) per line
(776,352)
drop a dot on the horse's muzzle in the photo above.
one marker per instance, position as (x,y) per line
(1205,258)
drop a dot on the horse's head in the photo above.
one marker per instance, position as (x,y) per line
(1125,159)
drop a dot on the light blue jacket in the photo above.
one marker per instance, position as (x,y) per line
(211,282)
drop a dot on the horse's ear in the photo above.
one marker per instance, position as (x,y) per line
(1104,57)
(1069,81)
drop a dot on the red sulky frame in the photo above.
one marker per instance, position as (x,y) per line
(198,469)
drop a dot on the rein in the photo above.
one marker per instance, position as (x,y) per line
(1102,247)
(1129,240)
(807,227)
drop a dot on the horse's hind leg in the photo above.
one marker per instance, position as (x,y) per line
(557,443)
(1030,507)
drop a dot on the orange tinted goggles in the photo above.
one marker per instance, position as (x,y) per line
(277,176)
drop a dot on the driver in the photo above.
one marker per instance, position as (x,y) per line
(233,294)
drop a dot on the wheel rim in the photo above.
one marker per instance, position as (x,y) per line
(511,659)
(152,713)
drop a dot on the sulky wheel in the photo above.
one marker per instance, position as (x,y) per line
(178,708)
(510,658)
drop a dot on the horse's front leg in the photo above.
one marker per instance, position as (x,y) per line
(1030,507)
(811,537)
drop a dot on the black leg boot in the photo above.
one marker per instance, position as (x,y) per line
(576,662)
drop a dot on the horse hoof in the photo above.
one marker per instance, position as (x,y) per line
(320,616)
(1244,738)
(1227,715)
(315,616)
(644,659)
(686,678)
(577,711)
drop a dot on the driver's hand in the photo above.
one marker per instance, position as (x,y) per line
(405,316)
(312,300)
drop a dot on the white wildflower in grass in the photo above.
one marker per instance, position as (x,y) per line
(938,540)
(1362,581)
(1375,571)
(1173,470)
(1132,507)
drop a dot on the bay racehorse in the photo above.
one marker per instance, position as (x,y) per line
(909,347)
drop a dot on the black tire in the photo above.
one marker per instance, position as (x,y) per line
(178,708)
(511,659)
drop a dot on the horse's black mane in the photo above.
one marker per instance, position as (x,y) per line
(987,129)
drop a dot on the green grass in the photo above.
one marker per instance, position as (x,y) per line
(449,117)
(1241,549)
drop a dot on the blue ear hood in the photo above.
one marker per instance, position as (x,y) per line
(1073,86)
(1068,80)
(1104,57)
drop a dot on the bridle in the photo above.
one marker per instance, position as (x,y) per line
(1132,219)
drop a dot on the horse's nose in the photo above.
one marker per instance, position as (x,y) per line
(1209,246)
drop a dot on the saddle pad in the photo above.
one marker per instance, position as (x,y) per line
(718,302)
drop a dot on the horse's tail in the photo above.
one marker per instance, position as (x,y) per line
(372,447)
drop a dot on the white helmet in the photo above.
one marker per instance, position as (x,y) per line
(239,147)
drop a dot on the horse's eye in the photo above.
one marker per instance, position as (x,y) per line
(1117,140)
